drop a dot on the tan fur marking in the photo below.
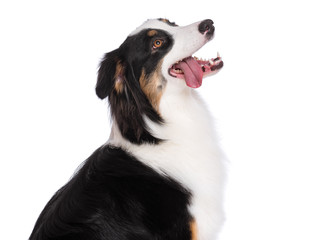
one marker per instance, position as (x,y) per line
(194,230)
(118,85)
(150,86)
(152,33)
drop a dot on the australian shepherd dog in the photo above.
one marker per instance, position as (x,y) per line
(161,173)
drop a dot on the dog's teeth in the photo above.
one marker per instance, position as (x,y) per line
(211,62)
(218,55)
(195,58)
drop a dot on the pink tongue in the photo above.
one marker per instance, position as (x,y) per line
(192,72)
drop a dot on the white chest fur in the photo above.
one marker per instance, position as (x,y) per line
(190,155)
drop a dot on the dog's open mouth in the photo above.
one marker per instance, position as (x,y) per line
(193,70)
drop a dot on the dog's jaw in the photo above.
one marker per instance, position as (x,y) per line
(188,40)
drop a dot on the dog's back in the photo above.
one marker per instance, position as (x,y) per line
(115,196)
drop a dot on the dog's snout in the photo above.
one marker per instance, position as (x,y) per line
(207,27)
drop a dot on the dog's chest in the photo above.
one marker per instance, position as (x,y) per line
(200,170)
(191,156)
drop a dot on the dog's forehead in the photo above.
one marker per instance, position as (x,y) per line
(162,24)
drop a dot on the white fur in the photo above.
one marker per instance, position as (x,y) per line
(191,152)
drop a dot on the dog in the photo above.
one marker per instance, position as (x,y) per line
(160,174)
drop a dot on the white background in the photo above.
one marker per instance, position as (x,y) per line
(272,102)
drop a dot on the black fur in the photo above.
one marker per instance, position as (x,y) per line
(116,197)
(129,107)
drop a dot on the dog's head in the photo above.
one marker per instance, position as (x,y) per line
(155,58)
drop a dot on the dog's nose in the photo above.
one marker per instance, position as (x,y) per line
(207,27)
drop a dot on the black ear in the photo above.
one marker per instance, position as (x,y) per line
(106,74)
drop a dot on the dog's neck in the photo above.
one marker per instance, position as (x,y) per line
(185,116)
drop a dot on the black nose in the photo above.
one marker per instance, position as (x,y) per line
(207,27)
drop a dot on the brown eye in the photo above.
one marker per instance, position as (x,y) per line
(157,43)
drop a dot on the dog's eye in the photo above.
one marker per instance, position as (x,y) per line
(157,43)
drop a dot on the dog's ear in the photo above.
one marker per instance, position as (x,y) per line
(107,74)
(118,79)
